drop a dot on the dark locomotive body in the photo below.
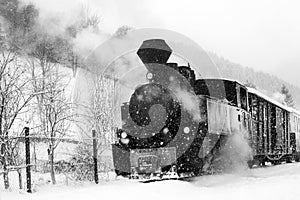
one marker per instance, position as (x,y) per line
(159,136)
(219,120)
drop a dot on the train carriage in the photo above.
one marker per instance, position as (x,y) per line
(270,130)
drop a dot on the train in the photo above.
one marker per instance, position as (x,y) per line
(161,136)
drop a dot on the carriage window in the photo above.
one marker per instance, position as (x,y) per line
(265,111)
(260,109)
(231,92)
(254,108)
(243,94)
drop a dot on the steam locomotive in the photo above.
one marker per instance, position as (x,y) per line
(177,124)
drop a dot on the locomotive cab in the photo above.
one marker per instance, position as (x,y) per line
(225,90)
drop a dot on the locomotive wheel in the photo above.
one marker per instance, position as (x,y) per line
(275,158)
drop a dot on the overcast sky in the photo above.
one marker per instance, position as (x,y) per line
(262,34)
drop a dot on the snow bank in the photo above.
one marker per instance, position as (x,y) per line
(275,182)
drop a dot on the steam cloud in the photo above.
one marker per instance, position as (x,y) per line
(189,101)
(55,21)
(234,154)
(87,40)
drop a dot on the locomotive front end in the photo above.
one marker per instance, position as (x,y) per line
(148,140)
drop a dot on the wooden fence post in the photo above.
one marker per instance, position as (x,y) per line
(27,152)
(95,157)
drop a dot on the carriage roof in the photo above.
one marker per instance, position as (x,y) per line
(267,98)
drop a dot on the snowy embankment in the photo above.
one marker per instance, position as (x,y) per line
(274,182)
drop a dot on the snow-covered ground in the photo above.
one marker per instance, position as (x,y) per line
(272,182)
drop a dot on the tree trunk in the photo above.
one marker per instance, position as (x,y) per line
(20,179)
(34,157)
(52,171)
(5,173)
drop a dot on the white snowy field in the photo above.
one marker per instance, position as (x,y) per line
(273,182)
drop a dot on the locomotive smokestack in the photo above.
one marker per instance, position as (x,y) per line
(154,51)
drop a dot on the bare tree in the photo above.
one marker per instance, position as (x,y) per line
(122,31)
(288,97)
(102,111)
(53,108)
(86,18)
(15,95)
(14,157)
(97,114)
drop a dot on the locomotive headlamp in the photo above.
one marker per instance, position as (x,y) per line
(149,76)
(125,141)
(123,135)
(186,130)
(165,130)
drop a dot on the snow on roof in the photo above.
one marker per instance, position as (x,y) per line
(260,94)
(296,112)
(225,79)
